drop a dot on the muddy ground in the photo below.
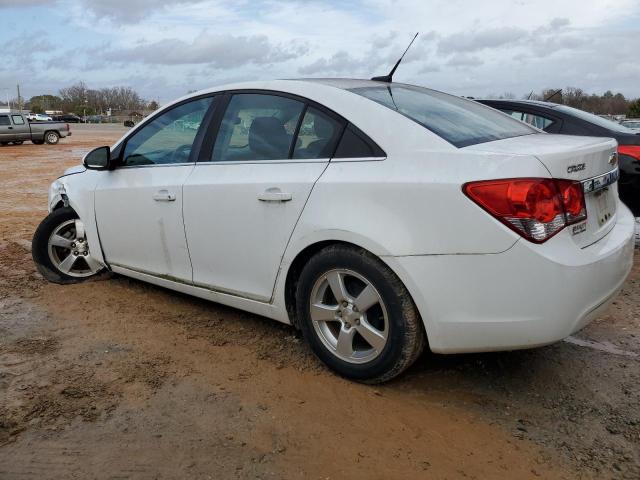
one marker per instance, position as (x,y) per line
(119,379)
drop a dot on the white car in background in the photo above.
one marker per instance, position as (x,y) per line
(378,218)
(38,117)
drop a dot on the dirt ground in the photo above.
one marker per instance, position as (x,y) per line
(119,379)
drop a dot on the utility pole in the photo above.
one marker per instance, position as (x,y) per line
(19,98)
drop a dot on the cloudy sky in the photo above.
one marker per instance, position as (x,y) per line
(164,48)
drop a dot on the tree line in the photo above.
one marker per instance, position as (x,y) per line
(81,100)
(608,103)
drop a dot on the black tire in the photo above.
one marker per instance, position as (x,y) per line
(4,143)
(40,247)
(51,137)
(37,142)
(406,337)
(20,142)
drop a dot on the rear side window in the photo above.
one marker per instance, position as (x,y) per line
(459,121)
(355,144)
(257,127)
(537,121)
(17,119)
(4,120)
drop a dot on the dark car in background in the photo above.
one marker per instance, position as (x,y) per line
(67,117)
(555,118)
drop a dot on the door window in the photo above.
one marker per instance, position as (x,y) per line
(317,136)
(167,139)
(257,127)
(4,120)
(17,119)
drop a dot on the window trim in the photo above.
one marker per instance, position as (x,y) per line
(120,148)
(206,152)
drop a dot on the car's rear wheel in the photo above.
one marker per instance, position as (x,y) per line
(4,143)
(357,315)
(51,138)
(60,249)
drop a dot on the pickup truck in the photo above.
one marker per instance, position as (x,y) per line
(15,128)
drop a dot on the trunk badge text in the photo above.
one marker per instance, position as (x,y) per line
(576,168)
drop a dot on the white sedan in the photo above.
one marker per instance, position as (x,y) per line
(378,218)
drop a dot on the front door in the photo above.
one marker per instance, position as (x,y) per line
(21,128)
(242,204)
(139,204)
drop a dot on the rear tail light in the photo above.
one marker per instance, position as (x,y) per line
(630,150)
(536,208)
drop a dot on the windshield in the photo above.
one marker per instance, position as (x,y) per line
(591,118)
(459,121)
(631,124)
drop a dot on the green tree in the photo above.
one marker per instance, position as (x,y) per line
(634,109)
(40,103)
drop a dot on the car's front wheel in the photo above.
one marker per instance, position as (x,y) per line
(60,249)
(357,315)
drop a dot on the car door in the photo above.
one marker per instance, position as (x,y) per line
(21,128)
(6,129)
(242,201)
(138,205)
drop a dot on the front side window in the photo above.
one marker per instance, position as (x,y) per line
(257,127)
(167,139)
(4,120)
(459,121)
(17,119)
(317,136)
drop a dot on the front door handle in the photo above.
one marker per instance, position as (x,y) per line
(274,195)
(164,196)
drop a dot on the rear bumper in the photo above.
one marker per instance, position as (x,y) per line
(527,296)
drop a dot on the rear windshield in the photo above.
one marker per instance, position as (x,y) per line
(459,121)
(591,118)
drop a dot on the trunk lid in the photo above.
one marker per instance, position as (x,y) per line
(590,160)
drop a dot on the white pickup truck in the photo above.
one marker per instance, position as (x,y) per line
(15,128)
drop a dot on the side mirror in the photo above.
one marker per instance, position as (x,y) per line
(98,159)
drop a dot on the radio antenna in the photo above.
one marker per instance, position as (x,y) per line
(389,78)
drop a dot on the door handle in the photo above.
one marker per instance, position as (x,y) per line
(274,195)
(164,196)
(10,128)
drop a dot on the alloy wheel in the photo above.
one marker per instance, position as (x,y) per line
(69,250)
(349,316)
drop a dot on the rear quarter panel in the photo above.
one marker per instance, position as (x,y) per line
(409,205)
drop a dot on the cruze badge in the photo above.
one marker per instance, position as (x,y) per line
(576,168)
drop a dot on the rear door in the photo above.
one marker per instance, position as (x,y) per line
(243,200)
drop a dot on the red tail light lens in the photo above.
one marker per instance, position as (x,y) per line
(630,150)
(536,208)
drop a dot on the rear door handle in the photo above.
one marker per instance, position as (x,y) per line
(164,196)
(274,195)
